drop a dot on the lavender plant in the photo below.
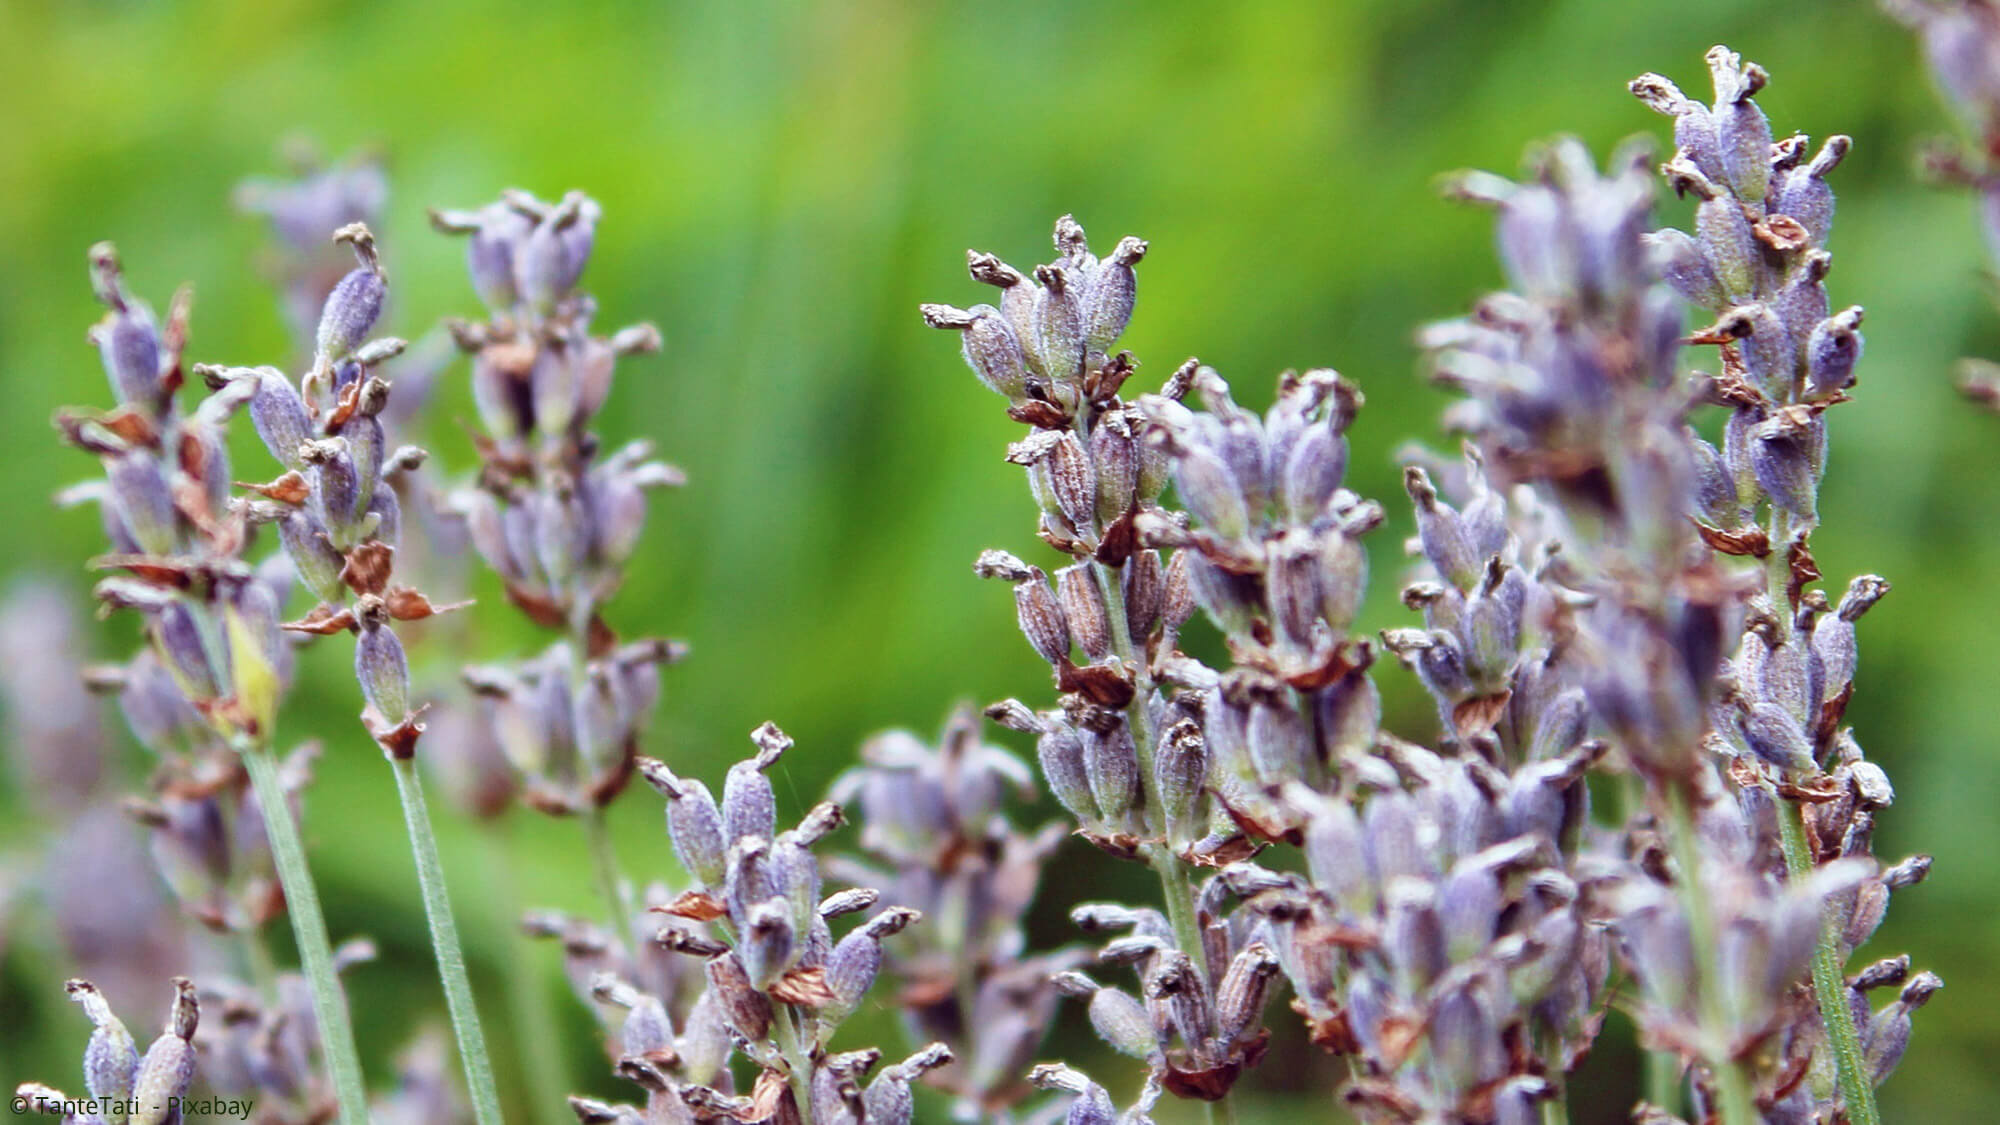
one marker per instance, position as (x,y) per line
(554,515)
(1455,929)
(338,517)
(210,686)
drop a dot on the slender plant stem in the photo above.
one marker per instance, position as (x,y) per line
(528,1012)
(263,970)
(1663,1081)
(343,1061)
(1732,1086)
(1830,983)
(604,857)
(1555,1111)
(796,1060)
(444,943)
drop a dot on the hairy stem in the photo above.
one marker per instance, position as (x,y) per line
(444,943)
(1830,983)
(796,1060)
(343,1061)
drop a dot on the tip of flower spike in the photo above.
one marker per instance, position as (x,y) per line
(358,236)
(1659,94)
(105,276)
(1735,80)
(946,316)
(1474,186)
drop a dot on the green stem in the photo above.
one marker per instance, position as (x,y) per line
(1732,1086)
(444,943)
(263,970)
(1830,984)
(1663,1081)
(528,1012)
(796,1061)
(343,1062)
(604,857)
(1555,1111)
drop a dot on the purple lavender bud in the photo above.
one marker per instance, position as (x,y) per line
(1230,599)
(1493,621)
(1831,353)
(1776,737)
(1743,135)
(1083,608)
(1111,768)
(387,513)
(1312,472)
(1055,340)
(1060,752)
(1722,229)
(1291,584)
(1245,986)
(989,343)
(144,500)
(562,531)
(1782,455)
(337,493)
(497,232)
(355,303)
(129,344)
(1715,487)
(1770,355)
(1281,746)
(111,1060)
(550,260)
(1889,1031)
(1113,289)
(379,663)
(1694,126)
(1833,641)
(1175,985)
(178,638)
(1212,492)
(1802,302)
(749,807)
(1178,601)
(1145,586)
(745,1010)
(1466,1039)
(1438,528)
(518,525)
(168,1069)
(501,397)
(1681,264)
(1114,451)
(769,943)
(1804,195)
(1121,1021)
(1072,480)
(313,555)
(555,388)
(1180,770)
(796,874)
(888,1098)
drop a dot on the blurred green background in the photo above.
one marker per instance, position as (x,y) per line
(783,184)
